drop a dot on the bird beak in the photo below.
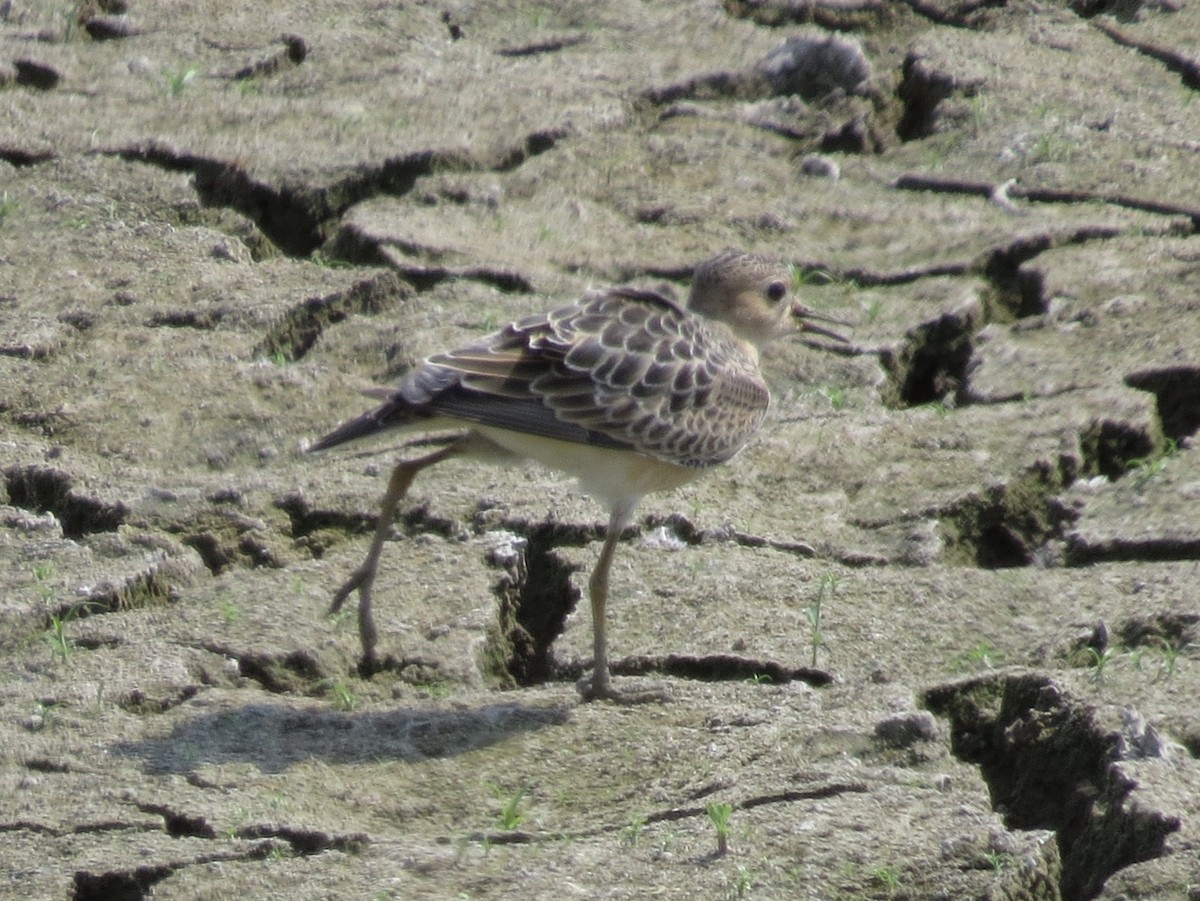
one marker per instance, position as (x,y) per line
(808,318)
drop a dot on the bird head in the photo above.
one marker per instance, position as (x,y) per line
(753,296)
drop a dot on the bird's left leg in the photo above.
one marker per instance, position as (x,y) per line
(364,577)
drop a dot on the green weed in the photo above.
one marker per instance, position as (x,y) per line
(60,645)
(178,81)
(7,207)
(1143,469)
(997,860)
(510,816)
(229,611)
(633,832)
(835,395)
(983,656)
(1097,660)
(719,814)
(42,573)
(889,878)
(344,698)
(743,883)
(1171,652)
(815,613)
(803,276)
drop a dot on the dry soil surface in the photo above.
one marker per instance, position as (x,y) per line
(934,635)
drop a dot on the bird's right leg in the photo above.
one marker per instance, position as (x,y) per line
(364,577)
(601,687)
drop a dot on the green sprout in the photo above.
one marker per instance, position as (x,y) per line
(177,81)
(719,814)
(1143,469)
(344,698)
(510,806)
(631,833)
(815,613)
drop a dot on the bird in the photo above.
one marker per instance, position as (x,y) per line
(626,389)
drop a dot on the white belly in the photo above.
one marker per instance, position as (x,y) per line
(612,476)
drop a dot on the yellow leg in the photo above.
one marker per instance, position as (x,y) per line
(598,591)
(364,577)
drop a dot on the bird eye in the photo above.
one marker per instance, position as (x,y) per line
(776,291)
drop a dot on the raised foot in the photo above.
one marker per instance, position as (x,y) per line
(356,580)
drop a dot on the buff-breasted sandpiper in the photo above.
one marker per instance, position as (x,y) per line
(626,389)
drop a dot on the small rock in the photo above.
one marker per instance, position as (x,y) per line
(1140,740)
(232,250)
(141,65)
(922,543)
(820,167)
(814,67)
(505,548)
(903,730)
(880,676)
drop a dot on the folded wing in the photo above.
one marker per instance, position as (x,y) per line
(621,368)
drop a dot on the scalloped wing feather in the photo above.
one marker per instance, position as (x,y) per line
(621,368)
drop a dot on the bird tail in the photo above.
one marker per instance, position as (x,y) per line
(394,412)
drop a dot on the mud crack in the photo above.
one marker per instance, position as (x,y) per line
(138,883)
(922,90)
(179,824)
(1049,765)
(934,362)
(1007,525)
(931,365)
(20,157)
(536,597)
(317,529)
(720,668)
(42,489)
(1184,66)
(296,672)
(299,218)
(1176,390)
(304,324)
(306,842)
(1111,446)
(943,185)
(550,45)
(354,245)
(537,594)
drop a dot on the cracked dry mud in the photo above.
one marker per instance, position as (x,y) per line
(218,224)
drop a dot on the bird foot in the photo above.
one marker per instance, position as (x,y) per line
(361,579)
(590,691)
